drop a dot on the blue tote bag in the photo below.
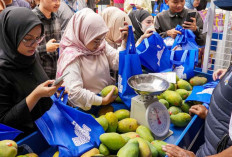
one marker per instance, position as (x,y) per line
(154,55)
(184,55)
(73,131)
(8,133)
(163,6)
(202,93)
(129,65)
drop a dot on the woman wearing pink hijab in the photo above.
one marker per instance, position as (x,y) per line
(88,59)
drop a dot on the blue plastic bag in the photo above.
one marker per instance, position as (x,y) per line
(163,6)
(202,93)
(184,55)
(73,131)
(154,55)
(129,65)
(8,133)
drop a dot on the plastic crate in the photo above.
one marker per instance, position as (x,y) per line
(190,137)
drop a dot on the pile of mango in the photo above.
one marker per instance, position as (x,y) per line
(174,99)
(9,148)
(124,137)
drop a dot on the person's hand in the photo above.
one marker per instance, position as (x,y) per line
(191,25)
(51,46)
(148,33)
(173,33)
(124,33)
(109,98)
(175,151)
(199,110)
(59,92)
(45,90)
(219,74)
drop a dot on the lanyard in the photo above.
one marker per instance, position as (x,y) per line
(74,10)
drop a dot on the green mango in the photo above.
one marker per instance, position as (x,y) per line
(105,91)
(182,84)
(119,100)
(145,133)
(104,150)
(103,122)
(112,122)
(154,151)
(8,151)
(131,149)
(173,98)
(185,107)
(158,145)
(198,81)
(171,87)
(56,154)
(180,119)
(174,110)
(183,93)
(163,101)
(144,149)
(113,141)
(130,135)
(122,114)
(127,125)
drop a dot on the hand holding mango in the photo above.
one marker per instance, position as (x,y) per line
(109,94)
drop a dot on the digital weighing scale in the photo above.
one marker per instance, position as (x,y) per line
(146,108)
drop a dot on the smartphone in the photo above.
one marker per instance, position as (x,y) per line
(57,81)
(189,16)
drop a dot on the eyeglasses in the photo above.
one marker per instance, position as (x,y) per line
(30,42)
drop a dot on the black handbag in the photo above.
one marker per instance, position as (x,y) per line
(222,144)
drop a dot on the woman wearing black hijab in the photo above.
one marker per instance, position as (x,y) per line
(24,86)
(143,24)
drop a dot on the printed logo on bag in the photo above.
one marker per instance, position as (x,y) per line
(82,134)
(206,91)
(180,72)
(227,79)
(120,86)
(159,54)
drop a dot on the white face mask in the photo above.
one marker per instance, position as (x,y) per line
(144,27)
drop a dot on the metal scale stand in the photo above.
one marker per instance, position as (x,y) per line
(146,108)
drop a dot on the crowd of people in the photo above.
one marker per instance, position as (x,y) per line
(41,40)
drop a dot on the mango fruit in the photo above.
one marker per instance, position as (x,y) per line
(198,81)
(183,93)
(105,109)
(130,135)
(185,107)
(104,150)
(177,78)
(122,114)
(127,125)
(8,148)
(154,151)
(56,154)
(171,87)
(145,133)
(91,152)
(180,119)
(158,145)
(160,96)
(113,141)
(105,91)
(163,101)
(131,149)
(112,122)
(173,98)
(32,155)
(103,122)
(190,92)
(174,110)
(144,149)
(119,100)
(97,155)
(182,84)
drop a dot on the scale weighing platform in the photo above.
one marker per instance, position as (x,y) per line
(146,108)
